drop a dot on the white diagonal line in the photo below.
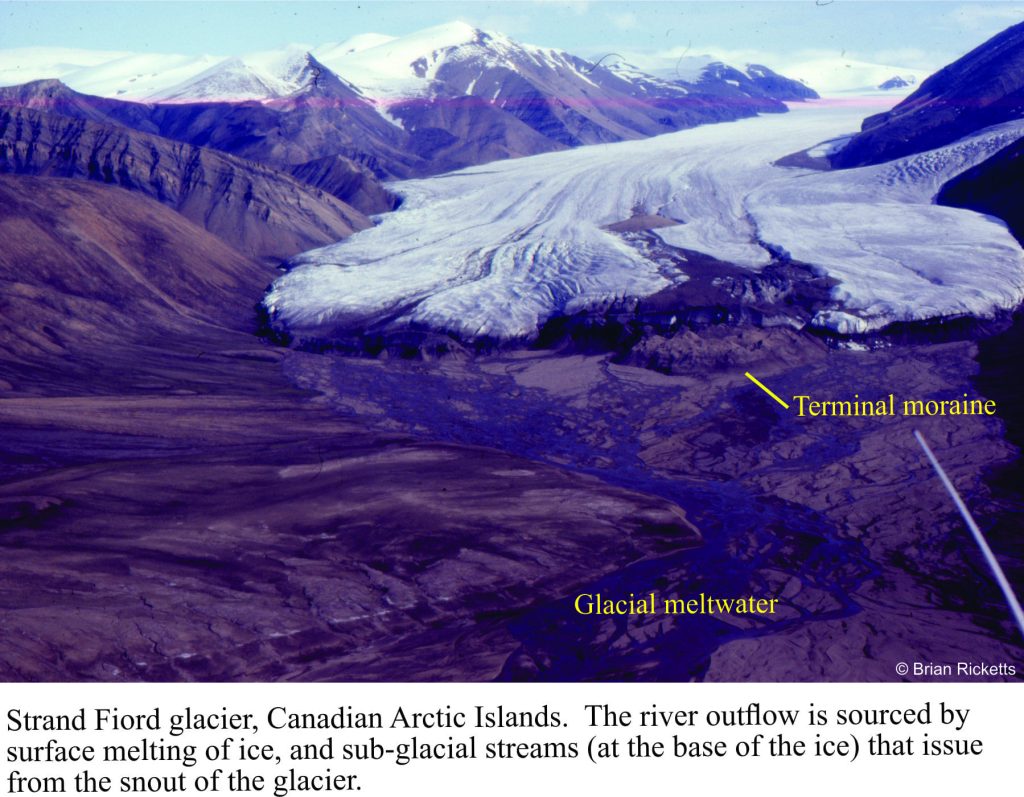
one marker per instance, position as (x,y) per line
(997,571)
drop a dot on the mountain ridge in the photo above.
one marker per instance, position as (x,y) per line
(261,212)
(983,88)
(382,66)
(349,117)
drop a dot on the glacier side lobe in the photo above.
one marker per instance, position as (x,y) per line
(493,252)
(897,256)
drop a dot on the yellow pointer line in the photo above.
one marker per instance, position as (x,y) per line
(754,379)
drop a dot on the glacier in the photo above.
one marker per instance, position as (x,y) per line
(494,251)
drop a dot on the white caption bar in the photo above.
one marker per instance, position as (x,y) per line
(504,739)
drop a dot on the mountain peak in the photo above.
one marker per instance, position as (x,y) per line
(444,39)
(451,34)
(258,76)
(43,94)
(44,87)
(404,66)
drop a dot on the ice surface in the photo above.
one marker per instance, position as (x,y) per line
(23,64)
(354,44)
(495,250)
(830,147)
(159,76)
(127,76)
(898,256)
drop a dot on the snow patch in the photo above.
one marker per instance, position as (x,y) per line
(830,147)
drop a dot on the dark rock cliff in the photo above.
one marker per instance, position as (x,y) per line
(983,88)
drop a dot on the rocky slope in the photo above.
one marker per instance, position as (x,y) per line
(325,118)
(86,266)
(983,88)
(347,180)
(772,84)
(172,507)
(257,210)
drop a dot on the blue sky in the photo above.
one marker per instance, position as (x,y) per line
(925,34)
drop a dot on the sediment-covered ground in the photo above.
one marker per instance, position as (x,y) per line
(181,500)
(841,518)
(173,507)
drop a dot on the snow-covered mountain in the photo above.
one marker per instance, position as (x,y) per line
(438,100)
(121,75)
(449,76)
(495,252)
(842,75)
(443,60)
(398,68)
(260,76)
(897,82)
(709,74)
(831,75)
